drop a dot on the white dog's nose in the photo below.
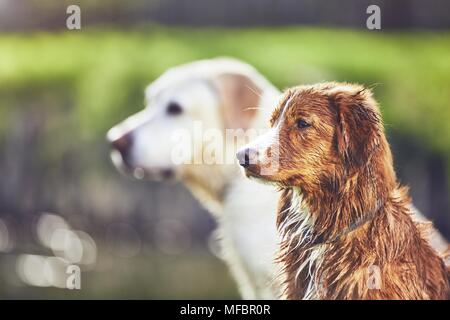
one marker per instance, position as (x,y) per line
(120,142)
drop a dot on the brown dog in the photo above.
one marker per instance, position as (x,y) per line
(345,221)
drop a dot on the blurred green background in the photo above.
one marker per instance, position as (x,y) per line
(60,91)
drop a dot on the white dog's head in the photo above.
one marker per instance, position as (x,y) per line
(186,102)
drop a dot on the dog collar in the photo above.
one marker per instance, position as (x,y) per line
(352,227)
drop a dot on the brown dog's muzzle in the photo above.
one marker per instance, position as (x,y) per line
(248,159)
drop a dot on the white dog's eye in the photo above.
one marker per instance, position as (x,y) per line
(174,109)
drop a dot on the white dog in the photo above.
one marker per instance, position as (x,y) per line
(204,97)
(214,94)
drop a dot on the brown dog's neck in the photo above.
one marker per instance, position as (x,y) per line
(319,228)
(340,205)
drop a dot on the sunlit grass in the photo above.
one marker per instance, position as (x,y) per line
(102,72)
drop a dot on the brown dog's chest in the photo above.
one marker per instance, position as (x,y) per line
(348,270)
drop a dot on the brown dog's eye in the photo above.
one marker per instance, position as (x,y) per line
(301,124)
(174,109)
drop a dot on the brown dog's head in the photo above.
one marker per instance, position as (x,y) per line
(318,133)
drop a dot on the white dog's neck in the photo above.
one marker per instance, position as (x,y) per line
(209,183)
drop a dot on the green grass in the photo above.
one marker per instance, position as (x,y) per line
(99,74)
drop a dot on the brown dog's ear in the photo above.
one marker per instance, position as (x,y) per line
(239,97)
(359,128)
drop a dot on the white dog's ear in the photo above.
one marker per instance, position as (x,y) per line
(239,98)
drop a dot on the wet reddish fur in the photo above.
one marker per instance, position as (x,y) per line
(343,166)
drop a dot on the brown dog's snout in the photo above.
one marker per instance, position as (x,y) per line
(123,144)
(247,157)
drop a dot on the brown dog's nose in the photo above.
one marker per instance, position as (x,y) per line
(246,157)
(123,144)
